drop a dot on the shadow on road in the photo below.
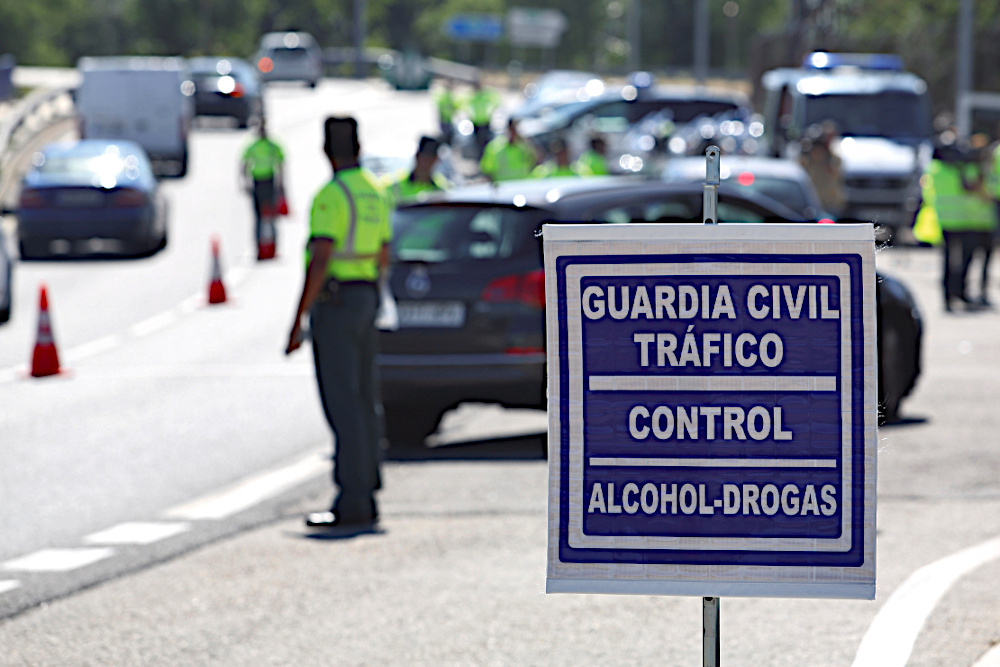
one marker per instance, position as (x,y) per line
(531,447)
(905,421)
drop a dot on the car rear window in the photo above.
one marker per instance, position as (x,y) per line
(289,54)
(437,234)
(683,210)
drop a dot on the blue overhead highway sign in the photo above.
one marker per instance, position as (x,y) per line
(474,27)
(712,407)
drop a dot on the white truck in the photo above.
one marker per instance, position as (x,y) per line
(883,115)
(143,99)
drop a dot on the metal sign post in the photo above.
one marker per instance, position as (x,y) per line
(710,213)
(711,642)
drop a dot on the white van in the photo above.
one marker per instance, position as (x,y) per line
(146,99)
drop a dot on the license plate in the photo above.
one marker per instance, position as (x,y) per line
(415,314)
(80,198)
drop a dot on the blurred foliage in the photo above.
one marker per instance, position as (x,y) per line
(747,36)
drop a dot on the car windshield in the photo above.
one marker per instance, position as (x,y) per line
(896,115)
(436,234)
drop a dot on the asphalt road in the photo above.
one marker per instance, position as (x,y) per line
(164,398)
(170,402)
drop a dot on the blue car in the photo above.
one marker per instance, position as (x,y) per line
(92,197)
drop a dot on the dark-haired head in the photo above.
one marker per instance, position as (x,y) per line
(341,138)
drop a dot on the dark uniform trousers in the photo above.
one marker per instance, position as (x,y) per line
(344,344)
(263,197)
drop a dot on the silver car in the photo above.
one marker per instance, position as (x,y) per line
(289,56)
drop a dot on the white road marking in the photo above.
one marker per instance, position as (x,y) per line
(154,323)
(137,533)
(9,585)
(991,659)
(252,491)
(890,638)
(294,369)
(151,324)
(94,347)
(58,560)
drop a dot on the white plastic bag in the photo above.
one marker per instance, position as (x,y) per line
(387,317)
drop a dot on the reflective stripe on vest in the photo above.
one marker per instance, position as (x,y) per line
(349,237)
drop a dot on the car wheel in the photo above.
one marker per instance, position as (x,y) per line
(409,424)
(892,368)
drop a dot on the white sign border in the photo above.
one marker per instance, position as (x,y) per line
(706,579)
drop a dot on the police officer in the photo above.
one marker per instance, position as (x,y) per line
(482,104)
(423,179)
(349,233)
(594,160)
(559,165)
(447,105)
(954,185)
(261,172)
(508,156)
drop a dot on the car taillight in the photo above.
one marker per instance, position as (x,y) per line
(128,198)
(237,91)
(825,221)
(527,288)
(265,64)
(31,199)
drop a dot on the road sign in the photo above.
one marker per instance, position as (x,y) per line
(474,27)
(535,27)
(712,409)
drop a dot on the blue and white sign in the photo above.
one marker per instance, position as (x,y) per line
(474,27)
(712,409)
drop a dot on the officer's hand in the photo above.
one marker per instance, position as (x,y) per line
(294,339)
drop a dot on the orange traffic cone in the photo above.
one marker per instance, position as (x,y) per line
(216,290)
(266,243)
(45,359)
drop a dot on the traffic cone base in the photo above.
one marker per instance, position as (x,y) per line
(45,357)
(216,290)
(266,245)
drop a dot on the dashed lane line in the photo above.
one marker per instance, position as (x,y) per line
(58,560)
(246,494)
(252,491)
(891,636)
(233,277)
(138,533)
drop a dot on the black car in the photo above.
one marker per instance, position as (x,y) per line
(226,87)
(467,276)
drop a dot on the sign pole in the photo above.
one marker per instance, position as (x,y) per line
(710,632)
(710,214)
(710,642)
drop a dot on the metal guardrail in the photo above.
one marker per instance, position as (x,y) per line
(27,118)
